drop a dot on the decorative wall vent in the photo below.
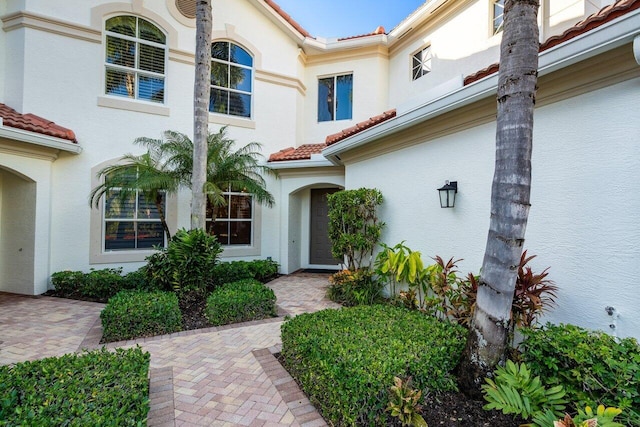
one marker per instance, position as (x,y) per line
(187,8)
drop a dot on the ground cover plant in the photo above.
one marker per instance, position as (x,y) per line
(593,367)
(135,314)
(90,389)
(346,360)
(240,301)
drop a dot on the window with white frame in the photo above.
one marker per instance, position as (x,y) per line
(421,63)
(232,224)
(132,221)
(231,79)
(335,98)
(135,59)
(497,16)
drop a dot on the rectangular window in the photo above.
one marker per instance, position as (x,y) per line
(421,63)
(132,223)
(335,98)
(498,15)
(232,224)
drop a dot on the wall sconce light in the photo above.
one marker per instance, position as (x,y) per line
(448,194)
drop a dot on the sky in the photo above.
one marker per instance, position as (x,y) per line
(344,18)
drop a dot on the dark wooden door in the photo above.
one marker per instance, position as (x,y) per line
(320,247)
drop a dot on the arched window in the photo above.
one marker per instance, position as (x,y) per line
(135,59)
(231,80)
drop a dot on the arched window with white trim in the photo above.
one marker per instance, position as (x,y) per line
(135,59)
(231,79)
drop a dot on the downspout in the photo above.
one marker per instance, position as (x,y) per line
(636,48)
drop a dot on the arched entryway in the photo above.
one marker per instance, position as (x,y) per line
(17,232)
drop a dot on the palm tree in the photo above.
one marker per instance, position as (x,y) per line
(487,340)
(148,174)
(168,164)
(201,94)
(235,170)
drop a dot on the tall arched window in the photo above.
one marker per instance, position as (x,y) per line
(135,59)
(231,80)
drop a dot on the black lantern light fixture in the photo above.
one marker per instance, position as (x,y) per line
(448,194)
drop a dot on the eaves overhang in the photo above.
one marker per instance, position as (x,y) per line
(601,39)
(301,164)
(39,140)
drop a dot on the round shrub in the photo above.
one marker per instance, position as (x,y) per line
(135,314)
(186,263)
(346,360)
(67,283)
(240,302)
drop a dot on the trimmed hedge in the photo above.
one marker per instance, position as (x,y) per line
(240,301)
(135,314)
(97,285)
(593,367)
(345,360)
(97,388)
(261,270)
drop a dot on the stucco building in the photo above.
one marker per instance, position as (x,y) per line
(400,110)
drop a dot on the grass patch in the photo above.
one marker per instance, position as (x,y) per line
(97,388)
(345,360)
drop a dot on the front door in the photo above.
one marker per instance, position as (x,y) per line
(320,250)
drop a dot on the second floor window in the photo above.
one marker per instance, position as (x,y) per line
(135,59)
(231,80)
(498,15)
(421,63)
(335,98)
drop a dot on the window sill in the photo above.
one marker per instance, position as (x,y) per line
(230,251)
(133,105)
(120,256)
(222,119)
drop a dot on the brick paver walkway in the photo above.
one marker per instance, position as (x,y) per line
(224,376)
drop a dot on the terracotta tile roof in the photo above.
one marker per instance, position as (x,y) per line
(604,15)
(359,127)
(33,123)
(303,152)
(288,18)
(377,31)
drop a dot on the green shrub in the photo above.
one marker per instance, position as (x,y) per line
(97,388)
(513,390)
(346,359)
(185,265)
(102,284)
(227,272)
(593,367)
(67,283)
(134,314)
(351,288)
(240,302)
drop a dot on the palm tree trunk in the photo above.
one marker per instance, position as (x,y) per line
(163,219)
(486,343)
(201,94)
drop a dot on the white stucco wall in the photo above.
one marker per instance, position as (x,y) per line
(25,223)
(60,77)
(583,222)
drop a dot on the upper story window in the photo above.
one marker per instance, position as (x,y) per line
(498,15)
(135,59)
(231,80)
(421,63)
(232,224)
(335,98)
(132,222)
